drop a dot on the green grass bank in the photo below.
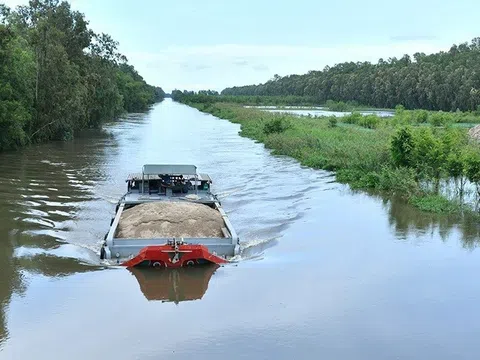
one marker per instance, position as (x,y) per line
(419,156)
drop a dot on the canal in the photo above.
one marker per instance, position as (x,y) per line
(324,272)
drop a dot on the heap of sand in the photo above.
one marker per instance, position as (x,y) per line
(167,219)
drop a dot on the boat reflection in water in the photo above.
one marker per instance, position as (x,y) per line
(174,285)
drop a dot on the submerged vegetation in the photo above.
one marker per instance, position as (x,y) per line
(57,76)
(417,155)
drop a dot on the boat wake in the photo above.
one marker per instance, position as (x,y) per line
(257,243)
(223,195)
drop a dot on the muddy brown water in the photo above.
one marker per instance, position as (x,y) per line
(325,272)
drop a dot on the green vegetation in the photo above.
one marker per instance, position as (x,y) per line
(435,204)
(443,81)
(57,76)
(350,105)
(434,118)
(402,115)
(211,96)
(393,155)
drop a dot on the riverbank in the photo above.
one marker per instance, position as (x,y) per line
(433,166)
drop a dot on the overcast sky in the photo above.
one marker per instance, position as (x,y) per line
(213,44)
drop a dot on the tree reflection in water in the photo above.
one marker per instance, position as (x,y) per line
(408,220)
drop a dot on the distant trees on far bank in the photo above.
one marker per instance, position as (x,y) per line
(443,81)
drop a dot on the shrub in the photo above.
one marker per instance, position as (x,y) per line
(439,119)
(421,116)
(336,106)
(402,147)
(434,203)
(369,121)
(399,109)
(473,169)
(276,126)
(353,118)
(400,181)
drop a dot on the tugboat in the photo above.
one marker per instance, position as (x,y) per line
(169,218)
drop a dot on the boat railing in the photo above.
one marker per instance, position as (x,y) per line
(168,171)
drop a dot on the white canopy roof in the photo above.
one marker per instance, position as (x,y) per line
(172,169)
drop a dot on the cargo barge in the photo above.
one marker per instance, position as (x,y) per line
(169,218)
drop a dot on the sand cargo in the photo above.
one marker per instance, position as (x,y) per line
(169,218)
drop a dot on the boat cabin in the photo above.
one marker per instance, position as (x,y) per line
(168,180)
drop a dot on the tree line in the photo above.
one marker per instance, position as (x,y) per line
(57,76)
(447,80)
(212,96)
